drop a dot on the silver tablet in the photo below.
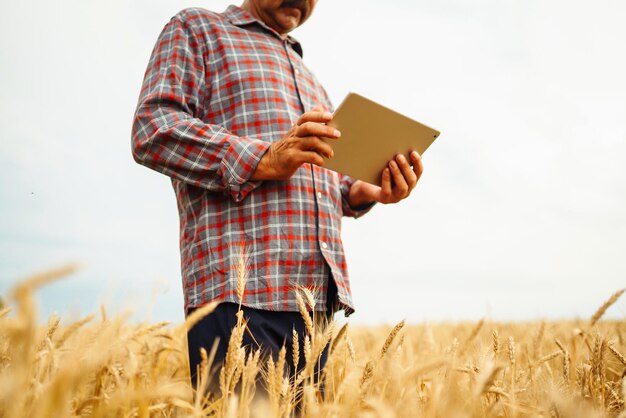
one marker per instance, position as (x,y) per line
(371,136)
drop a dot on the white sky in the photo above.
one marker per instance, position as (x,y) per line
(520,214)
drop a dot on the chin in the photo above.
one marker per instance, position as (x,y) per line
(287,25)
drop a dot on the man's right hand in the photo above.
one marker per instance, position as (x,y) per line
(302,144)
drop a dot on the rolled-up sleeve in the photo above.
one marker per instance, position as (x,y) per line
(169,134)
(345,183)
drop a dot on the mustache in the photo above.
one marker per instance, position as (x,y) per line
(303,5)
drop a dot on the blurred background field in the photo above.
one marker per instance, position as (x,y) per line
(106,366)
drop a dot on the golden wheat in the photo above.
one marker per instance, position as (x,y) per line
(113,368)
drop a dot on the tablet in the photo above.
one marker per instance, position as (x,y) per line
(371,136)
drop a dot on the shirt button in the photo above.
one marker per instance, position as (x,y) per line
(319,195)
(297,71)
(324,245)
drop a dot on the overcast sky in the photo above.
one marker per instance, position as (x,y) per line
(520,213)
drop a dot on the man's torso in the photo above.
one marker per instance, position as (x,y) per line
(287,231)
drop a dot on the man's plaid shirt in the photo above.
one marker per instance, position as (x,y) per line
(219,88)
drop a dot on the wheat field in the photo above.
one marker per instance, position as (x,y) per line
(101,366)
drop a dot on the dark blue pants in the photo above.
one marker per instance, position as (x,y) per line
(271,331)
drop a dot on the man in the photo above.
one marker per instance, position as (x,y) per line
(230,112)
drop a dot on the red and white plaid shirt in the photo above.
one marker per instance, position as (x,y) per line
(218,90)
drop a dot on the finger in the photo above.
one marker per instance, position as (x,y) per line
(313,143)
(385,186)
(401,187)
(315,116)
(317,129)
(418,166)
(312,157)
(407,171)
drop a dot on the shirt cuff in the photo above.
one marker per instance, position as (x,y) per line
(354,212)
(239,163)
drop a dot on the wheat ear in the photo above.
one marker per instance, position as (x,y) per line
(391,337)
(602,309)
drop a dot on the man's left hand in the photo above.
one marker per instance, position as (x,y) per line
(404,179)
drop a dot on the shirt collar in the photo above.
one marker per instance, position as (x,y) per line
(239,17)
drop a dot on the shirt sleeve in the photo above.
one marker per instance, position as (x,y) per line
(168,133)
(345,183)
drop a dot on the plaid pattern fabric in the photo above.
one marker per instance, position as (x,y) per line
(219,88)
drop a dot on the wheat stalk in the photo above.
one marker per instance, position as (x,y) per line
(486,379)
(25,287)
(566,366)
(538,338)
(368,372)
(340,335)
(295,350)
(617,355)
(310,300)
(351,350)
(472,335)
(389,340)
(308,322)
(53,324)
(547,358)
(196,316)
(511,351)
(495,345)
(602,309)
(70,330)
(241,268)
(566,360)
